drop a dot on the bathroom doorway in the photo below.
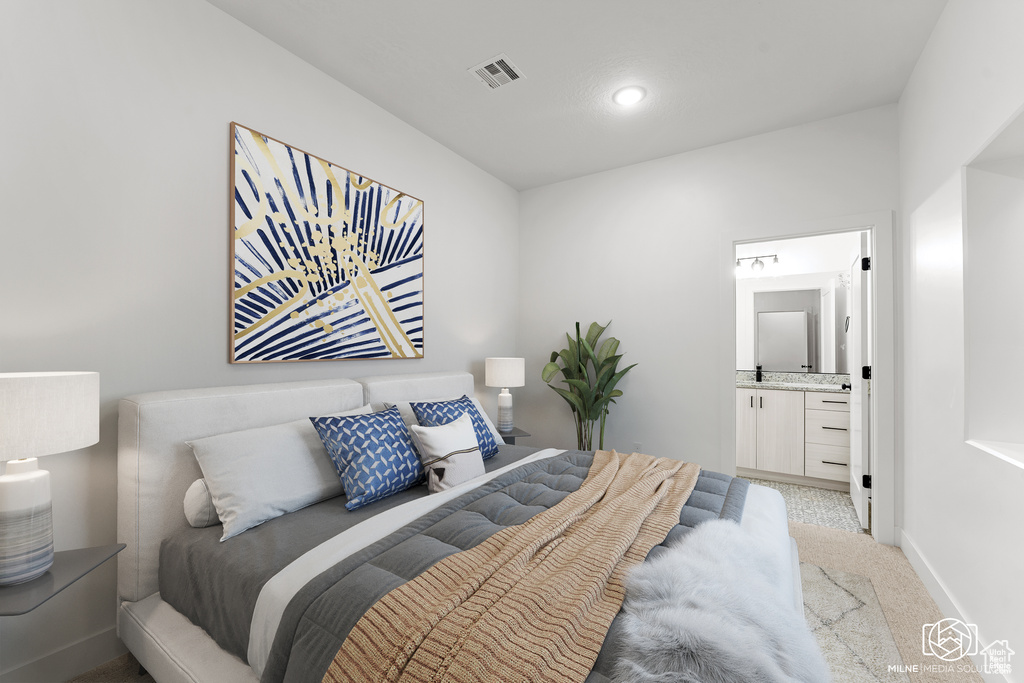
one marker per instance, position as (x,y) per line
(803,339)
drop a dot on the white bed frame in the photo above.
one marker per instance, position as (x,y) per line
(155,467)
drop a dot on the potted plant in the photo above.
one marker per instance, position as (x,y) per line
(591,376)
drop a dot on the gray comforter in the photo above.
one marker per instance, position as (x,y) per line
(320,616)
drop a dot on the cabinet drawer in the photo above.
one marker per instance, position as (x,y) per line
(820,400)
(827,462)
(827,427)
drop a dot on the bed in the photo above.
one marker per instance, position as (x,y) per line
(157,467)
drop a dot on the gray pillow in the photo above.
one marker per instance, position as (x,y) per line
(258,474)
(199,509)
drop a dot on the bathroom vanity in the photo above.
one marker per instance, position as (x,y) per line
(794,427)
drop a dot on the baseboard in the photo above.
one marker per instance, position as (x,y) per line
(70,661)
(946,602)
(793,479)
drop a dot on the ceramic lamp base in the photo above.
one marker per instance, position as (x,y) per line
(26,522)
(504,411)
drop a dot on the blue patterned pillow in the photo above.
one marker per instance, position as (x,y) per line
(372,453)
(439,413)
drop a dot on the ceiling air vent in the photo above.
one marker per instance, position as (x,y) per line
(496,72)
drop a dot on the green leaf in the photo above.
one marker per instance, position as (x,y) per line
(616,377)
(606,372)
(601,407)
(554,356)
(584,392)
(595,332)
(589,351)
(607,350)
(573,400)
(571,354)
(550,370)
(569,368)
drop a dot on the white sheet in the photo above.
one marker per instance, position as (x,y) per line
(278,591)
(764,515)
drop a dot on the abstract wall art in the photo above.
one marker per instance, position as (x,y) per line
(327,264)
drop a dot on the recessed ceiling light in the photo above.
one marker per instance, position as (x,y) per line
(629,95)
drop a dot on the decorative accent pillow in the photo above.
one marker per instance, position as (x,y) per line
(450,453)
(439,413)
(199,509)
(409,417)
(258,474)
(372,454)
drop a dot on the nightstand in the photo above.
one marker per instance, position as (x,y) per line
(513,434)
(68,566)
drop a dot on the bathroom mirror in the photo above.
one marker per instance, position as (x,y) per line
(795,330)
(782,341)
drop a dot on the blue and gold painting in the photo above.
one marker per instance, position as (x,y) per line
(328,264)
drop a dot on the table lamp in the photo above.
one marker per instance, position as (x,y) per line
(41,413)
(505,373)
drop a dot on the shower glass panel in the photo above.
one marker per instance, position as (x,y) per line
(782,341)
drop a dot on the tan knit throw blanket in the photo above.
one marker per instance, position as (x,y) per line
(534,601)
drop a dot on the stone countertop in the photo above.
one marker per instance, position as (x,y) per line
(793,386)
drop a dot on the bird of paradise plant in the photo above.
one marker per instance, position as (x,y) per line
(591,376)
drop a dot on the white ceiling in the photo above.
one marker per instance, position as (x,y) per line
(715,70)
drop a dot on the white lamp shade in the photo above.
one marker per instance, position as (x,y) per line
(42,413)
(505,372)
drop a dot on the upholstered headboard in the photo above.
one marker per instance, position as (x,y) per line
(155,466)
(424,386)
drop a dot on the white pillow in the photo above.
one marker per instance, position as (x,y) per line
(258,474)
(199,509)
(409,417)
(450,453)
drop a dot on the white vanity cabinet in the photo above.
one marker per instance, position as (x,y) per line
(770,430)
(827,435)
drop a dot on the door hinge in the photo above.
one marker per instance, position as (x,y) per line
(866,481)
(865,263)
(865,372)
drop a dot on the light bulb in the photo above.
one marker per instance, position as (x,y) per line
(629,95)
(757,266)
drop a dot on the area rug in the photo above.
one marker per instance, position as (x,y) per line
(844,613)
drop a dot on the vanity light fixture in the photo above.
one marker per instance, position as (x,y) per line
(758,265)
(629,95)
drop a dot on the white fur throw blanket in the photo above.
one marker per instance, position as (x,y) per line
(706,611)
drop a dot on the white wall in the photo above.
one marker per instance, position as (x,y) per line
(963,509)
(994,246)
(650,247)
(114,183)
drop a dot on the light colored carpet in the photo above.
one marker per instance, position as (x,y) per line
(124,669)
(903,598)
(813,505)
(843,612)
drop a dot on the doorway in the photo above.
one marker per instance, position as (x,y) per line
(803,322)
